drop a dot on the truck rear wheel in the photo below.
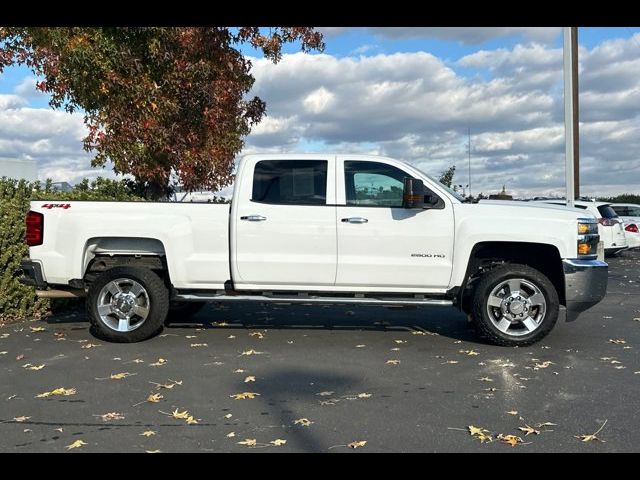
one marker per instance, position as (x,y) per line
(127,304)
(514,305)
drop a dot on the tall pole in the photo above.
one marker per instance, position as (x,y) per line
(572,159)
(469,149)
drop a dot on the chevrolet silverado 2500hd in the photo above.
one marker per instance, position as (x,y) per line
(319,229)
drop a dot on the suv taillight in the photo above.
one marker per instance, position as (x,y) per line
(35,228)
(632,227)
(608,222)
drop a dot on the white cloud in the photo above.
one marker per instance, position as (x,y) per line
(464,35)
(417,108)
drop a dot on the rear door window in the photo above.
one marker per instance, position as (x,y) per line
(290,182)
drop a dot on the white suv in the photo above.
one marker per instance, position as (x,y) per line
(610,226)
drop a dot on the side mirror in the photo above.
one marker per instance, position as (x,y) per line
(413,193)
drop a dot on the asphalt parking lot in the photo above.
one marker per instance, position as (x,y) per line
(326,379)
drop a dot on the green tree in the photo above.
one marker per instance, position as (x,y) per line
(155,100)
(446,177)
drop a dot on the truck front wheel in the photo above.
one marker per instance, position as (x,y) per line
(514,305)
(127,304)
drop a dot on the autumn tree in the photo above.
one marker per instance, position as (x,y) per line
(156,101)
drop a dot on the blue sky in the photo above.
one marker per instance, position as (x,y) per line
(410,93)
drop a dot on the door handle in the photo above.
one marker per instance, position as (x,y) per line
(355,220)
(253,218)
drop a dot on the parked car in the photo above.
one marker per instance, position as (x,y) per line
(319,229)
(610,226)
(628,212)
(632,232)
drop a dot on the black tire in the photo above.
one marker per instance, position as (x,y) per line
(492,279)
(184,310)
(158,295)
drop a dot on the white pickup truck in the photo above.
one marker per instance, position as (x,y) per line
(319,229)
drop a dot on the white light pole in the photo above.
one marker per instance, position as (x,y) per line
(572,171)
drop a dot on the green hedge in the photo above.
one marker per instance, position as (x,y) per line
(16,300)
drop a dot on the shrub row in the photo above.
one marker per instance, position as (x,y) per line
(17,300)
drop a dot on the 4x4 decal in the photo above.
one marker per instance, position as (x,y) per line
(56,205)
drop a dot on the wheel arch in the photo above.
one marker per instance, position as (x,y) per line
(103,253)
(486,255)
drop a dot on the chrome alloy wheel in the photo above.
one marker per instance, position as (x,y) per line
(123,305)
(516,307)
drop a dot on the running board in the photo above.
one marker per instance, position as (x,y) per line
(209,297)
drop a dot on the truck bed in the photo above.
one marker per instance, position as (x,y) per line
(194,238)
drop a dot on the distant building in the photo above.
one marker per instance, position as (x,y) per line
(62,186)
(503,195)
(26,169)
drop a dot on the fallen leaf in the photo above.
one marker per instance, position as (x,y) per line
(249,442)
(450,362)
(37,329)
(513,412)
(120,376)
(167,386)
(153,451)
(357,444)
(251,352)
(278,442)
(180,415)
(191,421)
(76,444)
(593,436)
(28,366)
(244,395)
(61,430)
(19,357)
(58,391)
(148,433)
(90,345)
(305,422)
(485,379)
(479,433)
(21,419)
(392,362)
(111,416)
(260,335)
(231,337)
(154,398)
(195,345)
(529,430)
(617,341)
(239,370)
(364,395)
(546,424)
(543,364)
(159,363)
(250,378)
(509,439)
(360,346)
(228,415)
(470,353)
(231,434)
(400,341)
(137,360)
(324,394)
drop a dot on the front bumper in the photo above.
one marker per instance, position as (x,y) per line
(30,273)
(585,284)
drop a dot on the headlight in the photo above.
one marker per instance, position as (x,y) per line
(587,227)
(588,237)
